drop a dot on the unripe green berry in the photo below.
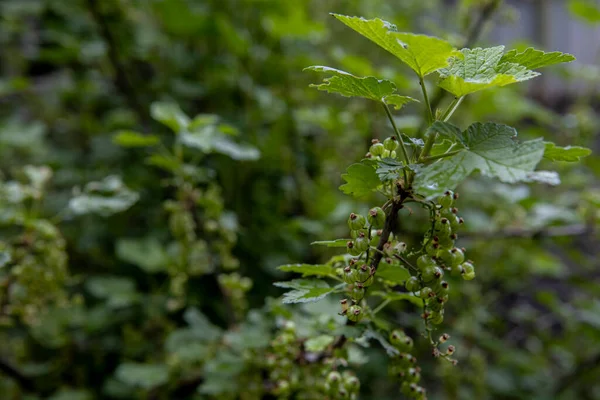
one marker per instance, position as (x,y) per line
(468,271)
(368,282)
(357,293)
(357,233)
(376,217)
(354,313)
(399,339)
(430,273)
(443,228)
(391,143)
(349,275)
(425,261)
(437,318)
(425,292)
(334,379)
(446,199)
(435,305)
(457,256)
(432,248)
(351,249)
(376,149)
(412,284)
(413,375)
(352,384)
(386,154)
(356,221)
(362,273)
(375,236)
(361,243)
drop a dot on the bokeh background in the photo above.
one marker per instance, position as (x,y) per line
(92,305)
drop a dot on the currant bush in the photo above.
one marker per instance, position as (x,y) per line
(410,172)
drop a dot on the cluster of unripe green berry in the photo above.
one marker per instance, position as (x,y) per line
(235,287)
(37,271)
(379,150)
(365,233)
(292,372)
(440,257)
(341,386)
(404,366)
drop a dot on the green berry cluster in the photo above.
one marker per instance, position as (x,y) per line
(440,257)
(387,149)
(341,386)
(404,366)
(235,287)
(37,271)
(292,372)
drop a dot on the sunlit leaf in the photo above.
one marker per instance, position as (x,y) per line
(424,54)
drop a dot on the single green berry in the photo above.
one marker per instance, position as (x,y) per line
(356,221)
(352,383)
(446,199)
(334,378)
(358,233)
(349,275)
(412,284)
(361,243)
(425,292)
(457,256)
(375,236)
(368,282)
(357,293)
(351,249)
(425,261)
(432,248)
(386,154)
(397,337)
(413,375)
(393,154)
(437,318)
(468,271)
(435,305)
(391,143)
(442,227)
(430,273)
(354,313)
(376,217)
(362,273)
(377,149)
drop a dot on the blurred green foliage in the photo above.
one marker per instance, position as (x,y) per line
(159,158)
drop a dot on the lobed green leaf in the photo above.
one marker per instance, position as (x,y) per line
(304,290)
(360,179)
(423,54)
(569,154)
(533,59)
(490,149)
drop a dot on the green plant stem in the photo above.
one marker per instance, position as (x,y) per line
(428,145)
(426,98)
(381,306)
(452,108)
(397,132)
(438,156)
